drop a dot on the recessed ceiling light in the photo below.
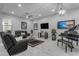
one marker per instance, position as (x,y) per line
(27,17)
(19,5)
(39,15)
(12,12)
(53,10)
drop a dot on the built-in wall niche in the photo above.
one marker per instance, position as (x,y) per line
(35,26)
(7,25)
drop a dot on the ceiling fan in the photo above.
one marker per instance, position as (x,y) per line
(27,16)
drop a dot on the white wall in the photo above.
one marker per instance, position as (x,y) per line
(52,20)
(16,22)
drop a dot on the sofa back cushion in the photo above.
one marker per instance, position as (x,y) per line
(17,33)
(9,41)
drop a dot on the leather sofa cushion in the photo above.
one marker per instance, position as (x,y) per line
(9,41)
(12,38)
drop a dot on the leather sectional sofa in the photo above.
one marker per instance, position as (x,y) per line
(11,45)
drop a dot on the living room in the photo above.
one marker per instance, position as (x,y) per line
(38,27)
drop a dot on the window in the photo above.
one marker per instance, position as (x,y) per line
(7,25)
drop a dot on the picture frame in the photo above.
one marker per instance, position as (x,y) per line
(23,25)
(67,24)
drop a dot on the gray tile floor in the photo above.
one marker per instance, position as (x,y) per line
(48,48)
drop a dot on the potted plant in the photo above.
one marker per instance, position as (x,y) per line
(53,34)
(53,31)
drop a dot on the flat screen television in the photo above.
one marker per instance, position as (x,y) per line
(66,24)
(44,26)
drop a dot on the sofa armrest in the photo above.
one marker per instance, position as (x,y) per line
(22,42)
(19,47)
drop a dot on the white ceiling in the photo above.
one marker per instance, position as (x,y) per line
(35,9)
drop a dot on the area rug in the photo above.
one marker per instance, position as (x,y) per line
(34,42)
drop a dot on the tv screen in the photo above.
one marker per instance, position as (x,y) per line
(66,24)
(44,26)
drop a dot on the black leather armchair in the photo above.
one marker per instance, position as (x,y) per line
(11,45)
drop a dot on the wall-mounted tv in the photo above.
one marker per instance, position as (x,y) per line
(44,26)
(66,24)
